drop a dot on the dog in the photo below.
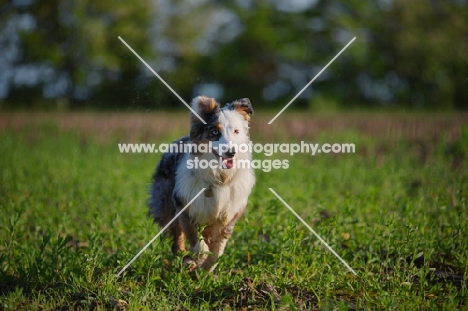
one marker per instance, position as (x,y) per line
(228,186)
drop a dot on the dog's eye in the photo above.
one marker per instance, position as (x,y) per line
(214,132)
(236,131)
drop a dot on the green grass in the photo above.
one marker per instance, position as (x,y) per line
(72,213)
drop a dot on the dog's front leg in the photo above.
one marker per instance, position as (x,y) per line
(189,228)
(215,238)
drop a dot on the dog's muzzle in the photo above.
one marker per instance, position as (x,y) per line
(228,158)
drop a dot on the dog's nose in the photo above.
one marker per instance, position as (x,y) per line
(230,153)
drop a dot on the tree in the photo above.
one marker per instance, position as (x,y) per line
(431,51)
(407,53)
(77,44)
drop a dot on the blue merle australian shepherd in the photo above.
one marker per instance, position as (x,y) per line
(228,185)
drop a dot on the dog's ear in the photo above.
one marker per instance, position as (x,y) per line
(242,106)
(206,108)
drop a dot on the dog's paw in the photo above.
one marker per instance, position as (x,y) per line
(189,264)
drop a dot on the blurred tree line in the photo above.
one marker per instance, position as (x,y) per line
(67,53)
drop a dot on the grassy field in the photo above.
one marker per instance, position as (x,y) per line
(72,213)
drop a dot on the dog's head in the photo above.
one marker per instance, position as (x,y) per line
(228,126)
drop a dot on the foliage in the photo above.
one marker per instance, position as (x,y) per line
(407,53)
(73,46)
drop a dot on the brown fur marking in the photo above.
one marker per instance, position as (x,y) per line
(219,126)
(206,105)
(243,107)
(243,113)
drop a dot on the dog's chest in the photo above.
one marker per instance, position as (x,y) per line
(219,203)
(216,205)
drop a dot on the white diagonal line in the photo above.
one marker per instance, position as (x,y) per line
(159,233)
(316,76)
(164,82)
(312,230)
